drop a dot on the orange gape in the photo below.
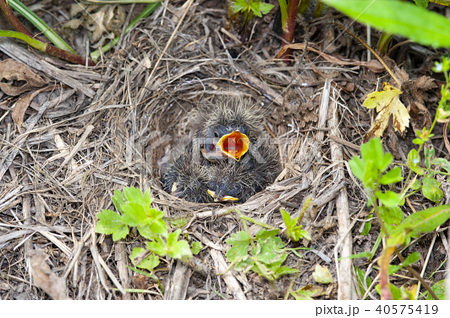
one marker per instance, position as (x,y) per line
(234,144)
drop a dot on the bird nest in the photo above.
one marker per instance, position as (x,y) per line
(109,131)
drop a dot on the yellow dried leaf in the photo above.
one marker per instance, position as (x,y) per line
(387,103)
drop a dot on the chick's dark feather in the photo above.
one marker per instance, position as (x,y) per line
(186,177)
(214,120)
(228,178)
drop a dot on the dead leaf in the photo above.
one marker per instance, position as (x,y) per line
(22,105)
(44,278)
(420,116)
(17,78)
(387,103)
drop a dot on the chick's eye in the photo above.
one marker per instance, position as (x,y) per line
(216,134)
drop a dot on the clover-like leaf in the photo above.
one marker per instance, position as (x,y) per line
(111,223)
(431,189)
(392,176)
(388,198)
(158,246)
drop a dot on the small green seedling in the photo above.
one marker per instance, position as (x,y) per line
(267,254)
(134,210)
(248,7)
(293,231)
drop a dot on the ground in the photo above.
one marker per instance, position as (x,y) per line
(89,131)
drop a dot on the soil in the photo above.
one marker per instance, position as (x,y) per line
(71,135)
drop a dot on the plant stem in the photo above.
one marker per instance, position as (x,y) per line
(289,28)
(28,37)
(41,25)
(383,42)
(13,19)
(47,48)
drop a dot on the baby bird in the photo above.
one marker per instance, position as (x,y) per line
(227,127)
(229,159)
(186,176)
(229,180)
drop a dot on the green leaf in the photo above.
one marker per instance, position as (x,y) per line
(119,200)
(411,259)
(428,153)
(414,161)
(173,237)
(415,184)
(269,251)
(358,167)
(322,275)
(284,14)
(265,234)
(146,231)
(287,218)
(239,242)
(149,263)
(180,249)
(367,225)
(431,190)
(362,285)
(265,7)
(424,221)
(255,8)
(158,246)
(284,270)
(395,291)
(159,227)
(391,217)
(388,198)
(177,249)
(421,3)
(443,163)
(40,24)
(392,176)
(439,289)
(239,5)
(134,195)
(413,22)
(292,231)
(135,253)
(111,223)
(154,214)
(373,151)
(134,214)
(307,292)
(370,174)
(196,247)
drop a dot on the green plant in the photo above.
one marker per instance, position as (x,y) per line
(264,253)
(251,7)
(414,22)
(135,211)
(267,254)
(293,231)
(372,168)
(65,53)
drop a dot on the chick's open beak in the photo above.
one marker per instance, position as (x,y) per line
(234,144)
(226,198)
